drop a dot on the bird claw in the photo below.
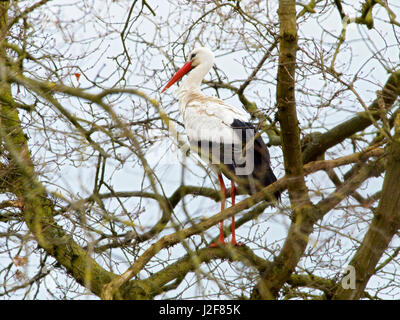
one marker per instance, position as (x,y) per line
(237,244)
(217,244)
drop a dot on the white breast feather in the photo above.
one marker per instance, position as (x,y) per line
(212,122)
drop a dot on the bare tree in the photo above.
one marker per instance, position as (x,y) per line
(100,195)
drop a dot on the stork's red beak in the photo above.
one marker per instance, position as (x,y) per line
(181,72)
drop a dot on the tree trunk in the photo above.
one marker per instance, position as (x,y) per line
(383,227)
(302,212)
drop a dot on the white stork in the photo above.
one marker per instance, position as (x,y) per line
(221,134)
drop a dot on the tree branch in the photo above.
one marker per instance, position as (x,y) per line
(383,227)
(361,121)
(302,210)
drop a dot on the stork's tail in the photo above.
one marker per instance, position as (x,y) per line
(270,178)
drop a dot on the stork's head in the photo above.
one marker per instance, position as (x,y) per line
(201,56)
(201,59)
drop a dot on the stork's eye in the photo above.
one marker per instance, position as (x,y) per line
(192,56)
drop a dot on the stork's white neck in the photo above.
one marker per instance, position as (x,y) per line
(192,82)
(202,60)
(190,86)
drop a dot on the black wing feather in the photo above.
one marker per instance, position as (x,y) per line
(230,163)
(262,173)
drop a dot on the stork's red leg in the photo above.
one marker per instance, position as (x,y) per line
(221,239)
(233,196)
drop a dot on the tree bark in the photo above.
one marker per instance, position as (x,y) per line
(383,227)
(303,217)
(359,122)
(37,209)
